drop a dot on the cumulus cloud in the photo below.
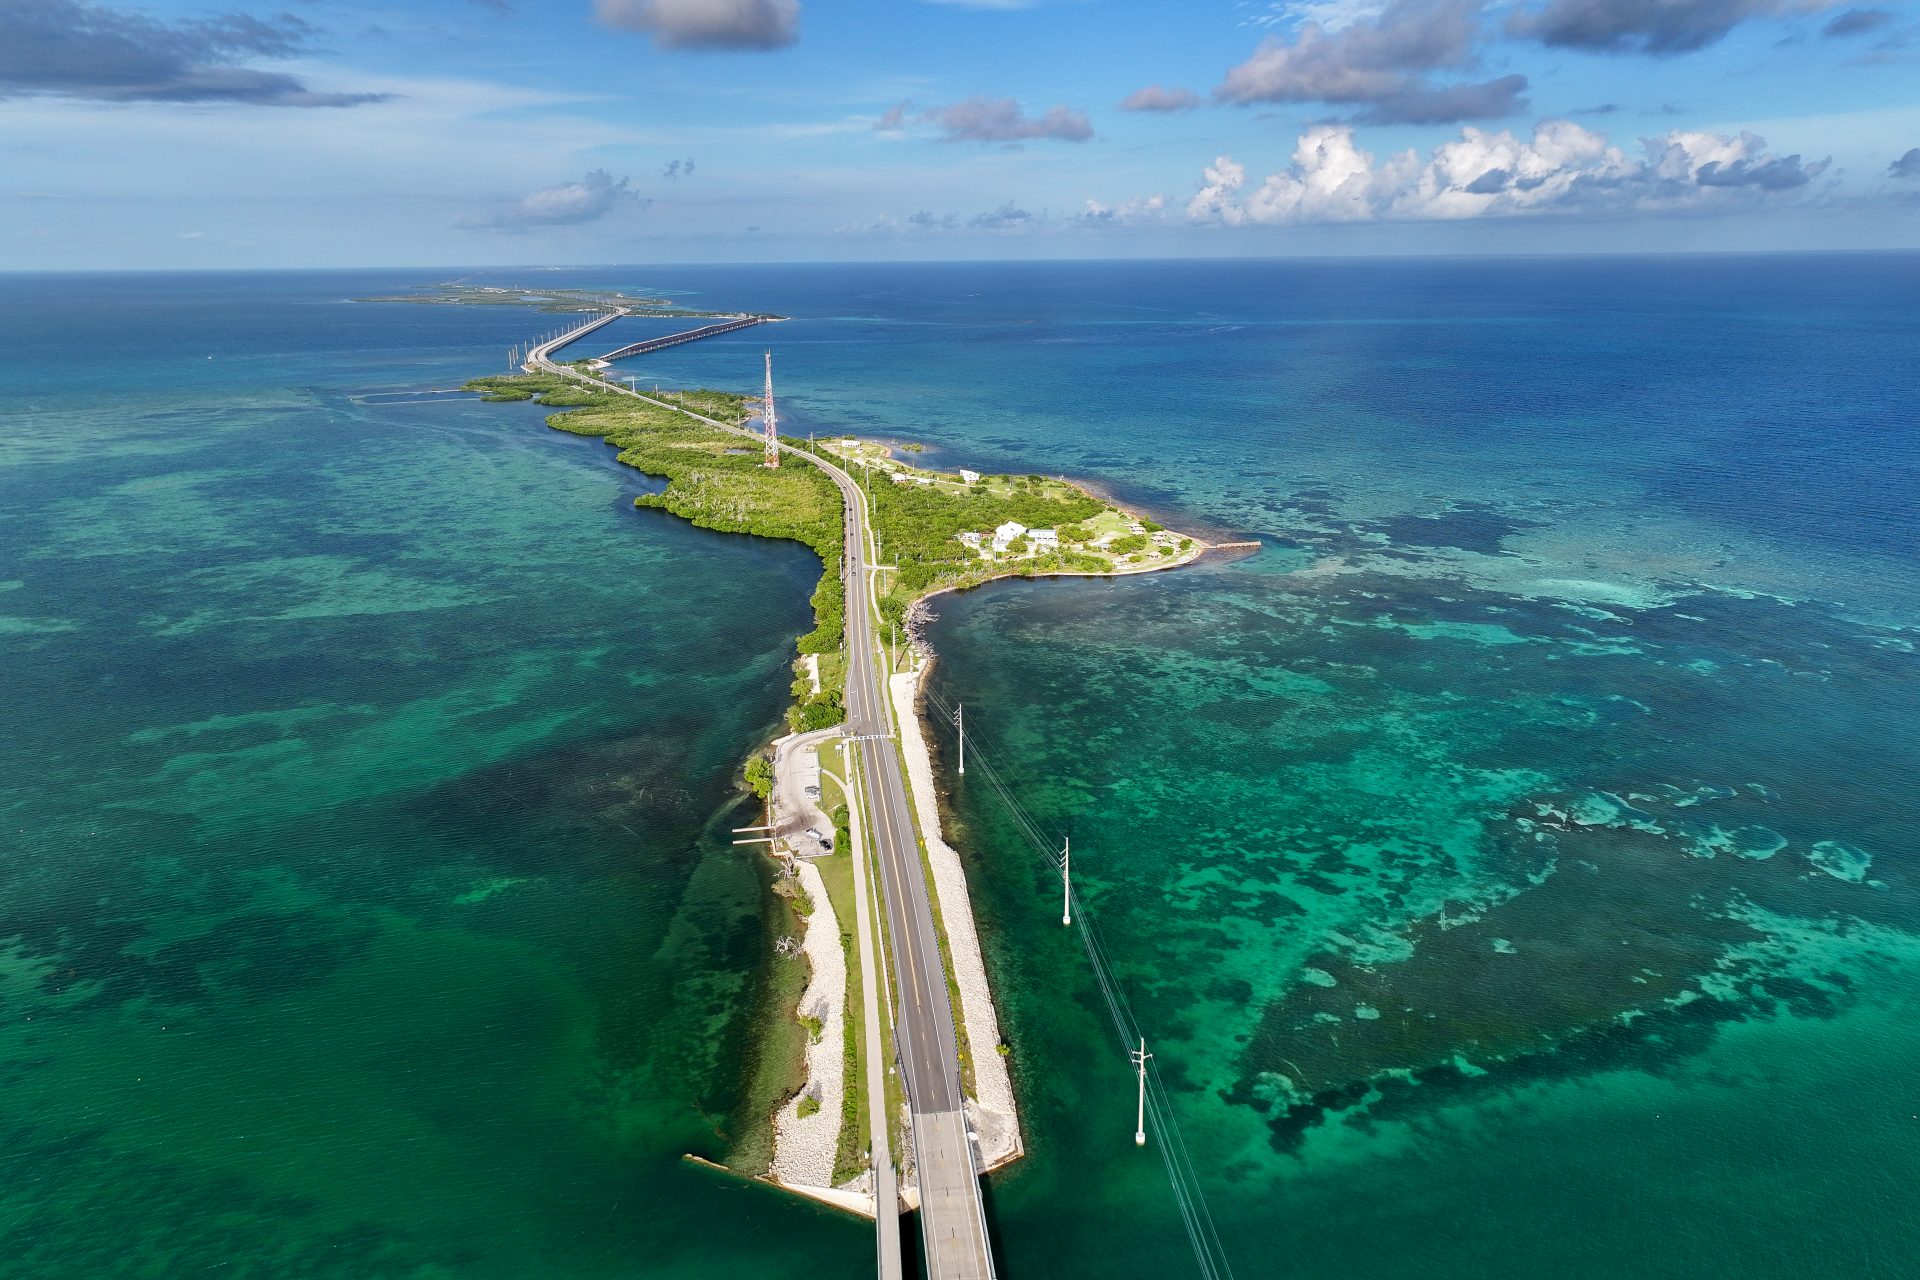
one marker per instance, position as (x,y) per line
(1562,168)
(1001,120)
(569,204)
(927,218)
(678,169)
(1644,26)
(706,24)
(1907,166)
(1154,98)
(895,116)
(88,51)
(1380,60)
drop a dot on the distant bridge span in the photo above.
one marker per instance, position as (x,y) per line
(691,335)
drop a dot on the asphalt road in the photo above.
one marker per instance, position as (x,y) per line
(953,1222)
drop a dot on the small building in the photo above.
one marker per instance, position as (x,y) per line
(926,480)
(900,477)
(969,477)
(972,540)
(1003,536)
(1044,539)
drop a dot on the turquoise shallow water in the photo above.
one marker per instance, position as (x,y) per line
(1511,860)
(368,906)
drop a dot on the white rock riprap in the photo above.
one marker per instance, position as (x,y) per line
(992,1112)
(804,1147)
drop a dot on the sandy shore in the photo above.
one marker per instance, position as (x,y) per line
(804,1146)
(991,1111)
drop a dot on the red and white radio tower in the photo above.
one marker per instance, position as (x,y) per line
(766,416)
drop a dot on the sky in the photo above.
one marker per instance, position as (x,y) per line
(315,133)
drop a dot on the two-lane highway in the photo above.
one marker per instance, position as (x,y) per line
(952,1214)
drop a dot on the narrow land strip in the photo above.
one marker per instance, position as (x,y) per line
(944,532)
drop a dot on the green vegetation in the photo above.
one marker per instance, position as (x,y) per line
(819,712)
(760,774)
(788,886)
(809,1105)
(919,515)
(918,526)
(815,1029)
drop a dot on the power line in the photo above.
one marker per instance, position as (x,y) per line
(1188,1196)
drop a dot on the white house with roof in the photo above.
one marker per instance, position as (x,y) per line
(1003,536)
(1044,539)
(969,477)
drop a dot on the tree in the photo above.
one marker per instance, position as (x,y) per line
(760,775)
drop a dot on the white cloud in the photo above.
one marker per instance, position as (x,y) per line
(1138,209)
(1562,168)
(566,205)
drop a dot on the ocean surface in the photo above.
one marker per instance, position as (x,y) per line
(1512,861)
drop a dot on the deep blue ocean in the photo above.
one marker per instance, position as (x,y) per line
(1510,858)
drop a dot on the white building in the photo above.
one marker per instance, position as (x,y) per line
(1003,536)
(972,540)
(969,477)
(1044,539)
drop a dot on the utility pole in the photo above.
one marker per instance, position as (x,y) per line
(1066,882)
(766,413)
(1140,1116)
(960,731)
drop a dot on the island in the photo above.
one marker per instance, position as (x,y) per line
(934,531)
(459,293)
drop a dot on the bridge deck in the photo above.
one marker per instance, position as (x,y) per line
(675,339)
(952,1227)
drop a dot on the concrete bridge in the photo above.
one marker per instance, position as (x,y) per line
(691,335)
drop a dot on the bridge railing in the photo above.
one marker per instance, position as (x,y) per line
(674,339)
